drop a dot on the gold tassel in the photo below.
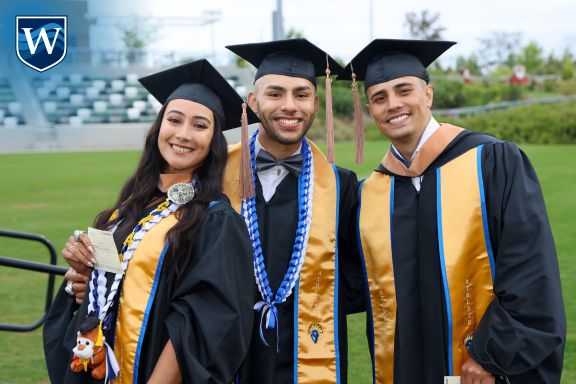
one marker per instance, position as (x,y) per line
(99,338)
(246,164)
(329,115)
(358,120)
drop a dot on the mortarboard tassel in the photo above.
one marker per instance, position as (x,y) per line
(358,119)
(245,164)
(100,336)
(329,115)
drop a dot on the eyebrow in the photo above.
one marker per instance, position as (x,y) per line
(406,83)
(194,117)
(281,88)
(275,88)
(397,86)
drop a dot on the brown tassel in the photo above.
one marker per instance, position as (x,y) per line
(329,116)
(245,165)
(358,120)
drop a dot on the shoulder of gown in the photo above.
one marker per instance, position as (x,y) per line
(211,312)
(523,331)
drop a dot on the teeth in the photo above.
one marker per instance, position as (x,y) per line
(180,149)
(288,121)
(397,119)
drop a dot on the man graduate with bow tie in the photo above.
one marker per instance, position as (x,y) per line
(301,221)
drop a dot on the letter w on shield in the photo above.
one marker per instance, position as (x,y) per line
(41,41)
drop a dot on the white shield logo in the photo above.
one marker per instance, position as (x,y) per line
(41,41)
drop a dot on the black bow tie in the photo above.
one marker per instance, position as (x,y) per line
(265,160)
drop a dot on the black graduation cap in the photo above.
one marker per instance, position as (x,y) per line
(292,57)
(200,82)
(387,59)
(91,322)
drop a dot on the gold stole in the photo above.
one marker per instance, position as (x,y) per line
(464,255)
(375,237)
(137,297)
(317,293)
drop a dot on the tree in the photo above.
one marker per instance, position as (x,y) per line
(567,66)
(470,62)
(294,34)
(499,49)
(424,26)
(136,36)
(552,64)
(531,58)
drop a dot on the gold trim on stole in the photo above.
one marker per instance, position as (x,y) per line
(375,236)
(135,294)
(316,296)
(469,278)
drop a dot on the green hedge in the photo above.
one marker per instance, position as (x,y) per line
(536,124)
(455,94)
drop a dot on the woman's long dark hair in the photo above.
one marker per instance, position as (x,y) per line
(141,189)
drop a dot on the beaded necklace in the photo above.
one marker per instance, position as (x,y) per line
(267,306)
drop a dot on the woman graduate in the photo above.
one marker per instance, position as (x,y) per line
(181,311)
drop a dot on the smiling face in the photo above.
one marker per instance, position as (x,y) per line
(286,106)
(401,109)
(84,347)
(185,134)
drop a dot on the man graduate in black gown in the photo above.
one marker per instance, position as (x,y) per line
(459,257)
(301,220)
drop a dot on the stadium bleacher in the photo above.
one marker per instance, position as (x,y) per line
(10,108)
(82,107)
(82,99)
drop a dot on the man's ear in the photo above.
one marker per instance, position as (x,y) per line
(316,102)
(368,109)
(252,102)
(429,96)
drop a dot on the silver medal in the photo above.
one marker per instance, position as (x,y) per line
(181,193)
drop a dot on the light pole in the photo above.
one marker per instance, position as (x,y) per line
(371,18)
(277,25)
(211,16)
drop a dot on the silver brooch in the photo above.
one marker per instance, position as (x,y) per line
(181,193)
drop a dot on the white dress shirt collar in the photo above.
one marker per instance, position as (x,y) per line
(432,126)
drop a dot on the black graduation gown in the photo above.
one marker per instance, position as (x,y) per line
(277,223)
(523,331)
(207,313)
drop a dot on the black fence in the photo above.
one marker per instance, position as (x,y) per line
(51,269)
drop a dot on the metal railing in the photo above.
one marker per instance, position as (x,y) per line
(51,269)
(467,111)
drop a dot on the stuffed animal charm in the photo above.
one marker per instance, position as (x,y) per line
(90,352)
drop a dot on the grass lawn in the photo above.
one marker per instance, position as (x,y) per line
(53,194)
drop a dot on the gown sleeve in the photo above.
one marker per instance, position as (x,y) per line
(350,265)
(523,331)
(211,312)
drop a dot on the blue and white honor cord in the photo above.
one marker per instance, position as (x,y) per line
(99,301)
(267,306)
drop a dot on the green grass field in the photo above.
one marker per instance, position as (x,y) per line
(53,194)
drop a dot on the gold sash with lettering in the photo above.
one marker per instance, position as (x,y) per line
(317,293)
(137,297)
(465,258)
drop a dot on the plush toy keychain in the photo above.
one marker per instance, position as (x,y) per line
(90,352)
